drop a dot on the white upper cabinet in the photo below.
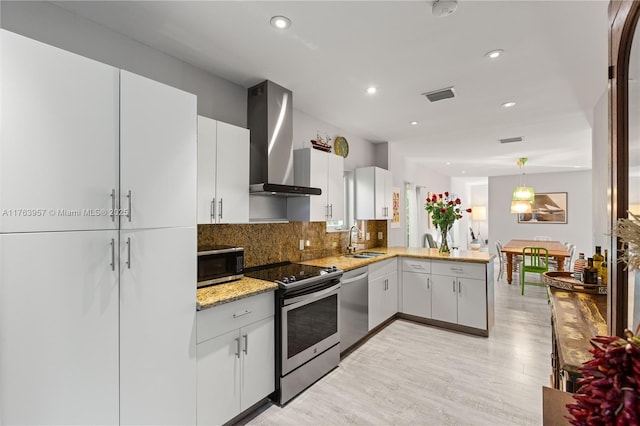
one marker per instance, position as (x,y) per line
(317,169)
(158,154)
(223,172)
(373,193)
(59,133)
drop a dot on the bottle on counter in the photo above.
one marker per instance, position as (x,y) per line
(604,268)
(578,266)
(590,273)
(598,257)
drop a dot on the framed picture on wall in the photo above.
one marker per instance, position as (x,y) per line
(395,217)
(548,207)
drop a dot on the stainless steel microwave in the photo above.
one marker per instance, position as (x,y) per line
(220,264)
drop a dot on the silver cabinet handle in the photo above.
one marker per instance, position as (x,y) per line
(331,209)
(113,254)
(128,252)
(454,286)
(220,214)
(237,347)
(428,279)
(246,345)
(113,205)
(213,210)
(129,201)
(240,314)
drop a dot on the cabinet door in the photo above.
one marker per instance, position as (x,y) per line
(157,154)
(218,379)
(232,174)
(383,183)
(376,301)
(472,303)
(391,295)
(207,134)
(258,361)
(365,193)
(318,173)
(157,326)
(59,138)
(335,187)
(444,294)
(59,328)
(416,294)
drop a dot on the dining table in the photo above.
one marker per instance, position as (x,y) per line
(556,249)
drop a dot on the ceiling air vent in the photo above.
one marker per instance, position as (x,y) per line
(440,94)
(511,140)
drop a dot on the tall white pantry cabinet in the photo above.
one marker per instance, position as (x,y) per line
(97,242)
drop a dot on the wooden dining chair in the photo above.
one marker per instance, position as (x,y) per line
(535,260)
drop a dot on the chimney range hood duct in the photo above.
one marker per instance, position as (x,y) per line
(269,111)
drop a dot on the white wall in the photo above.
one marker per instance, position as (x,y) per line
(217,98)
(305,127)
(418,176)
(504,226)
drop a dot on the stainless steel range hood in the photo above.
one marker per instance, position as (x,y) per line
(269,111)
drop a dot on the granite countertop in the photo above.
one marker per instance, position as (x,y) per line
(349,263)
(208,297)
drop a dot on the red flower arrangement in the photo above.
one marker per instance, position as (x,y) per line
(444,210)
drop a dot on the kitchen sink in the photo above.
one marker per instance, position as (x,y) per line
(363,255)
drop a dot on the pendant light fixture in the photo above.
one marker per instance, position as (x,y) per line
(523,196)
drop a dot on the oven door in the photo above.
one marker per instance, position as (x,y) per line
(309,325)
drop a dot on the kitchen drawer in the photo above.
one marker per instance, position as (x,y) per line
(419,266)
(381,268)
(221,319)
(459,269)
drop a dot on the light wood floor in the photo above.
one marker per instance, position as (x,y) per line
(411,374)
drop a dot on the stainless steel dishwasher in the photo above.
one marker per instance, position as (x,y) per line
(354,307)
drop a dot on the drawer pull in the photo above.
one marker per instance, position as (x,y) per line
(240,314)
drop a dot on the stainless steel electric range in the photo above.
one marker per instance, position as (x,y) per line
(307,324)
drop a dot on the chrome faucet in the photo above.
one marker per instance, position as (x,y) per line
(351,248)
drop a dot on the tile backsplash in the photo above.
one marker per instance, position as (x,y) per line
(266,243)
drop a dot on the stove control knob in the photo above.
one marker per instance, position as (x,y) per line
(334,268)
(292,278)
(285,280)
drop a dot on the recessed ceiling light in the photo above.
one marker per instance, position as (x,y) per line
(448,163)
(371,90)
(281,22)
(509,104)
(576,167)
(414,123)
(463,172)
(494,54)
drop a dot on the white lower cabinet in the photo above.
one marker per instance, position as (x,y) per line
(459,293)
(59,328)
(383,291)
(416,287)
(235,357)
(444,299)
(157,326)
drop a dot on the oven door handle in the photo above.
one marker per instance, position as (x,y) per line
(308,298)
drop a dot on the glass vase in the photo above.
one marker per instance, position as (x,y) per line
(444,244)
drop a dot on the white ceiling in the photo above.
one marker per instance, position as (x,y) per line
(554,67)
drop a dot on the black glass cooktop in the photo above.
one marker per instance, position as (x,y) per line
(288,272)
